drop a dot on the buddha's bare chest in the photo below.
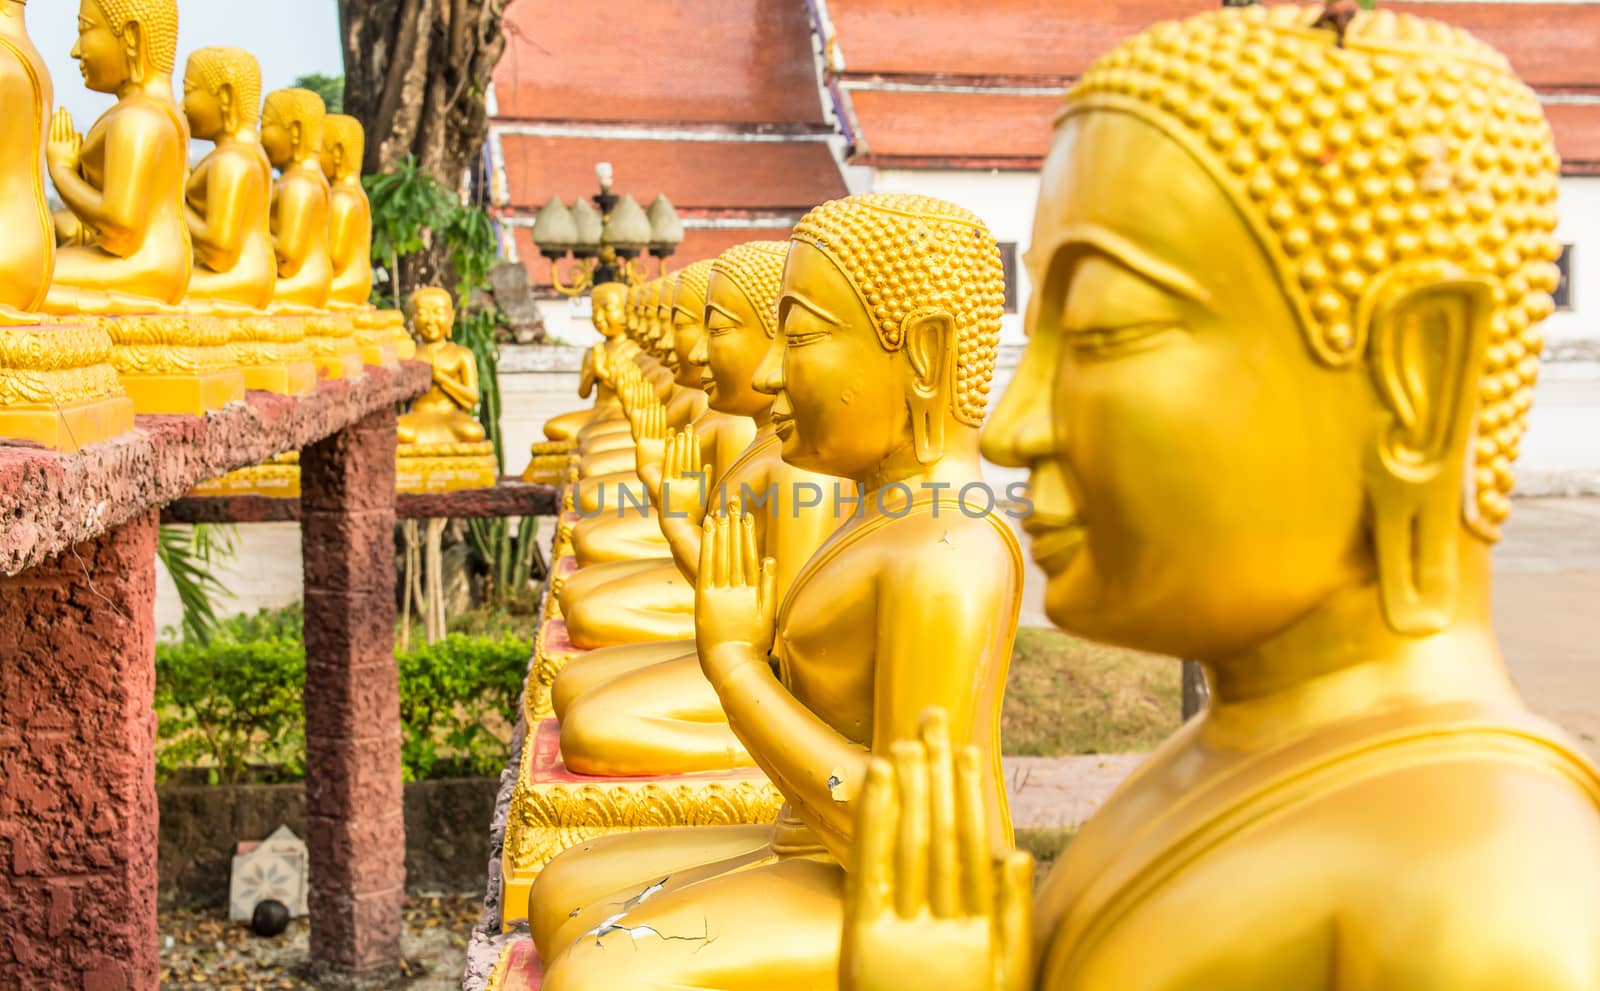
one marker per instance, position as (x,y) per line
(826,641)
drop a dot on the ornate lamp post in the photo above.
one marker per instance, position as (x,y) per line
(604,237)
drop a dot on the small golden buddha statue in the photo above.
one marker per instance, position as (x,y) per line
(608,300)
(27,252)
(124,252)
(442,445)
(1310,261)
(894,302)
(379,334)
(227,199)
(57,386)
(229,191)
(124,240)
(291,132)
(647,708)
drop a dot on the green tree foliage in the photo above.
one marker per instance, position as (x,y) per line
(330,88)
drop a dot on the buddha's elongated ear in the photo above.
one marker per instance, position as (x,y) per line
(1425,353)
(132,45)
(929,344)
(296,135)
(230,112)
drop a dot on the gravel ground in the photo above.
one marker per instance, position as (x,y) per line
(201,949)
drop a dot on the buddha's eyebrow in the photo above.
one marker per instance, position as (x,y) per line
(1127,254)
(714,308)
(815,310)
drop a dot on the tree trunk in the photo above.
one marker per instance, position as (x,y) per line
(417,76)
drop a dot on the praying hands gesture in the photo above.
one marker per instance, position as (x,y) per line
(650,437)
(735,610)
(65,144)
(927,904)
(684,480)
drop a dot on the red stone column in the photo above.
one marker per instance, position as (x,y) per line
(78,829)
(354,814)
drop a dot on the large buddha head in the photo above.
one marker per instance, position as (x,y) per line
(221,92)
(741,319)
(1287,287)
(688,316)
(291,126)
(344,145)
(607,310)
(125,41)
(889,319)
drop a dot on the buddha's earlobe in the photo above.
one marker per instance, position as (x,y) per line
(230,116)
(929,344)
(132,45)
(1425,354)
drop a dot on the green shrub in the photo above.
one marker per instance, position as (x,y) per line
(232,706)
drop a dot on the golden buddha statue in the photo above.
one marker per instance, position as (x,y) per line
(57,386)
(380,335)
(124,240)
(608,300)
(227,199)
(27,252)
(291,132)
(647,708)
(229,191)
(1311,261)
(894,302)
(442,445)
(124,253)
(344,146)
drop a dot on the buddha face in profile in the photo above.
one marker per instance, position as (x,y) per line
(688,314)
(1254,373)
(433,313)
(291,126)
(220,89)
(886,363)
(608,302)
(117,38)
(739,333)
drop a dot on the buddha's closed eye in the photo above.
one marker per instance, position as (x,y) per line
(1115,342)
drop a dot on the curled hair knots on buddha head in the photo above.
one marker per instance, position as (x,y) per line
(691,295)
(904,254)
(219,67)
(345,133)
(299,106)
(1411,147)
(158,27)
(756,267)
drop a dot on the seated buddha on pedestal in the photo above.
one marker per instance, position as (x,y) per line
(894,302)
(442,445)
(1289,273)
(292,123)
(226,208)
(380,335)
(123,240)
(57,386)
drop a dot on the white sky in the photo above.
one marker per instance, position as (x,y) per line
(290,38)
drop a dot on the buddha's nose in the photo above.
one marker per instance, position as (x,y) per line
(768,378)
(1020,431)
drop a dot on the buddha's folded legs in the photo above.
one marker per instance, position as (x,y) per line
(585,580)
(585,876)
(617,538)
(648,606)
(752,926)
(583,674)
(662,719)
(567,425)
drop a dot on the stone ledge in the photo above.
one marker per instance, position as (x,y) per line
(510,497)
(50,502)
(521,359)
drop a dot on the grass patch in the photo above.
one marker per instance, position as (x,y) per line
(1069,696)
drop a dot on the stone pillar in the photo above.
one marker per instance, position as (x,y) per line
(355,825)
(78,829)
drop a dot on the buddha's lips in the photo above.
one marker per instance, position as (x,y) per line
(1053,546)
(783,426)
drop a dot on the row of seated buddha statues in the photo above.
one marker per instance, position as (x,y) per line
(172,287)
(812,405)
(1289,265)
